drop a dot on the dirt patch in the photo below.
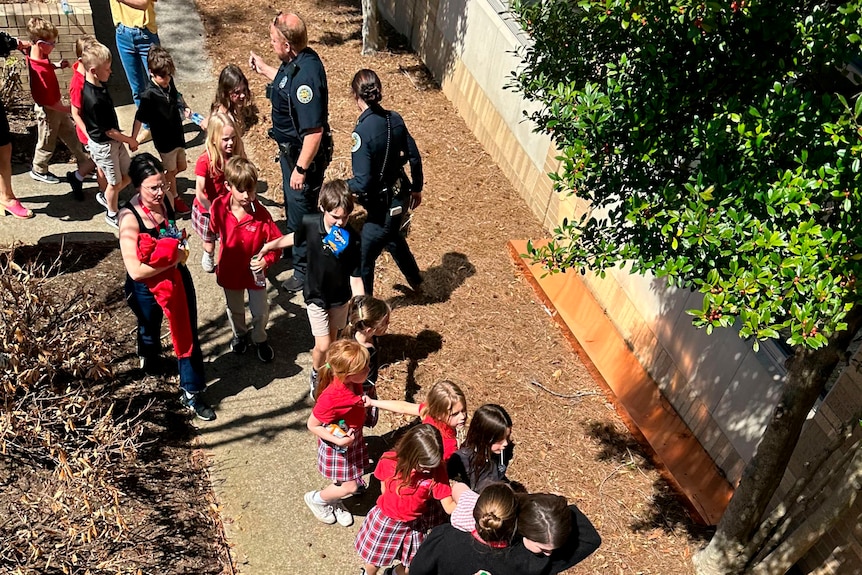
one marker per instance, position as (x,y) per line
(478,323)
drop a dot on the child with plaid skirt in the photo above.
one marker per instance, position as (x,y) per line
(410,477)
(342,455)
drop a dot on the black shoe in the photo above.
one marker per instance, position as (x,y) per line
(292,285)
(196,404)
(76,185)
(264,352)
(239,344)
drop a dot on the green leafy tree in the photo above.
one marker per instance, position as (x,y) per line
(719,147)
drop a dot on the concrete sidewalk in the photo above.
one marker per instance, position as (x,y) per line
(263,458)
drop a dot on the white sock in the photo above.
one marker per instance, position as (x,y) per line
(318,499)
(79,177)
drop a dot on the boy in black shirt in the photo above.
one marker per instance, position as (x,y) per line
(160,110)
(106,140)
(333,274)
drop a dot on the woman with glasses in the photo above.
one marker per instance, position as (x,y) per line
(158,282)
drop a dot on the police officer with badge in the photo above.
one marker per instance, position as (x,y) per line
(381,148)
(300,124)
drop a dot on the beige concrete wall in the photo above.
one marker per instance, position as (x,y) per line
(721,388)
(14,18)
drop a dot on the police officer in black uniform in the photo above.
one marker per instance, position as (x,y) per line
(300,125)
(381,148)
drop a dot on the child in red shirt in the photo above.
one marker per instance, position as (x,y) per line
(243,225)
(341,456)
(52,115)
(445,407)
(223,142)
(410,477)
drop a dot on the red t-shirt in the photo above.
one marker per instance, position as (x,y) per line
(239,241)
(43,82)
(76,86)
(214,186)
(407,502)
(450,438)
(338,401)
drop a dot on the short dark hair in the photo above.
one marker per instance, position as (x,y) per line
(142,167)
(159,61)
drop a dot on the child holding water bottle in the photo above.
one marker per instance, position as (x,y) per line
(244,226)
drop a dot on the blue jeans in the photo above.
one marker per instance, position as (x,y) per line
(298,203)
(133,44)
(384,232)
(149,314)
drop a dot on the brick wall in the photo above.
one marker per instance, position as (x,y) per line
(14,18)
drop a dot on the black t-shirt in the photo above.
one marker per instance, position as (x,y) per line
(368,148)
(327,279)
(448,551)
(300,98)
(97,111)
(160,110)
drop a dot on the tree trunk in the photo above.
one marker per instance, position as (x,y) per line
(370,27)
(728,552)
(826,516)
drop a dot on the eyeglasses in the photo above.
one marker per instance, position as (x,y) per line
(157,188)
(46,42)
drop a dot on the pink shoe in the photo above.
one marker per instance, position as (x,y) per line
(17,210)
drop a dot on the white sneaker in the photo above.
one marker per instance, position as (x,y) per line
(208,263)
(322,512)
(100,197)
(342,515)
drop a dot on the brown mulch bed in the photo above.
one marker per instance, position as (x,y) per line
(478,322)
(107,479)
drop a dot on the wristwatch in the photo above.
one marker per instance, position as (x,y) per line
(301,170)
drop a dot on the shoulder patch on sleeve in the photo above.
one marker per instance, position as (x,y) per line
(355,142)
(304,94)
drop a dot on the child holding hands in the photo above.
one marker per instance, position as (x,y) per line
(333,274)
(410,477)
(52,115)
(243,225)
(341,457)
(103,128)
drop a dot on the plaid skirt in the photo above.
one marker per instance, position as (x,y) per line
(201,223)
(340,467)
(432,516)
(381,540)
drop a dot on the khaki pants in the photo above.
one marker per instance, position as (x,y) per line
(52,125)
(258,305)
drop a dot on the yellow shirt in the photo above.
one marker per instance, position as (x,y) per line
(128,16)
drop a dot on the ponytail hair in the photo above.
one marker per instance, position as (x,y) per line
(367,87)
(441,398)
(365,312)
(420,448)
(496,513)
(344,358)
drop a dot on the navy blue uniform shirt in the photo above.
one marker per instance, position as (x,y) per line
(369,151)
(300,98)
(160,110)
